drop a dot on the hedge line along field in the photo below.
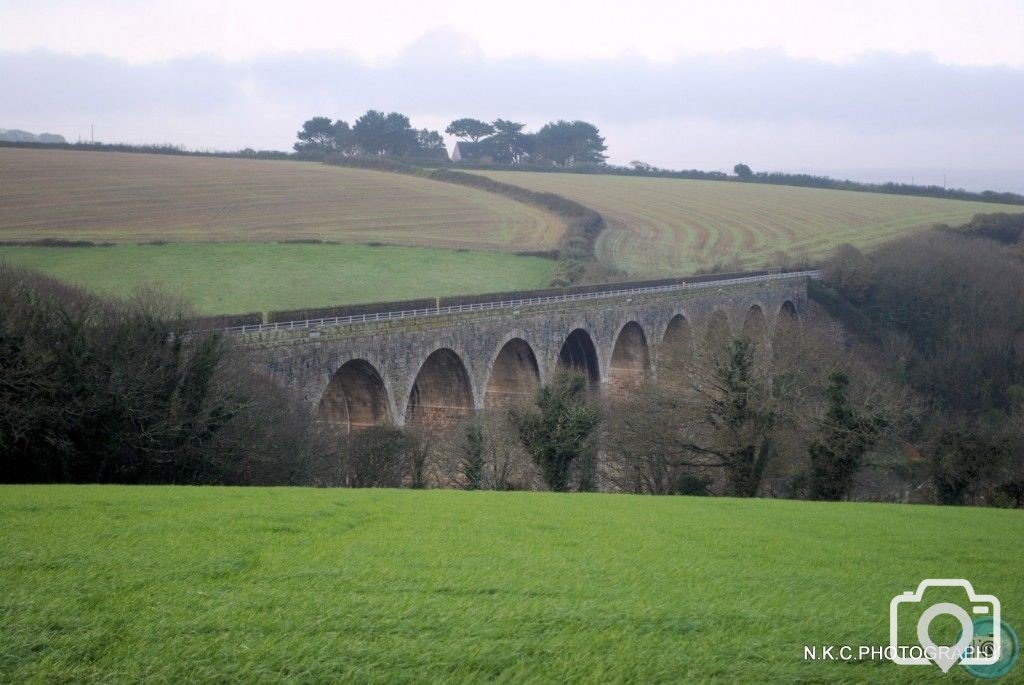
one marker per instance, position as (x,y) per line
(230,278)
(662,225)
(138,198)
(180,584)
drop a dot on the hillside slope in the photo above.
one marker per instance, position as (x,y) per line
(212,230)
(126,197)
(661,225)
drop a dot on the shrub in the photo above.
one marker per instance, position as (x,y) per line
(381,457)
(95,390)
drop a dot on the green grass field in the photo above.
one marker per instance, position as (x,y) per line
(224,218)
(229,278)
(176,584)
(662,225)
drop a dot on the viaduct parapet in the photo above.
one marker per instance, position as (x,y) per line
(430,367)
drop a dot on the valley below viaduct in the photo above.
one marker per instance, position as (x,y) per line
(432,368)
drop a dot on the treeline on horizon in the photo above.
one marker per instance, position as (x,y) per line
(560,146)
(376,134)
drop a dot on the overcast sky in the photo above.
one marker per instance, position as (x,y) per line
(910,87)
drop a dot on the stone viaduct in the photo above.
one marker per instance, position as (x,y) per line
(435,367)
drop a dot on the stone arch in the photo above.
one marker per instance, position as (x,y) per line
(677,346)
(355,397)
(754,325)
(718,331)
(678,333)
(787,312)
(442,393)
(579,352)
(514,375)
(786,322)
(631,358)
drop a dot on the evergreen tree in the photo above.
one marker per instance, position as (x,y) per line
(473,457)
(556,431)
(847,436)
(744,425)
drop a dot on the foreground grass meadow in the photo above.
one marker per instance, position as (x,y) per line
(178,584)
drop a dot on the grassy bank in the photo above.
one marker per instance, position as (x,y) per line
(245,585)
(241,277)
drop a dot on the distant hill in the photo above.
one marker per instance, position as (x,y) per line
(668,225)
(13,135)
(250,208)
(130,198)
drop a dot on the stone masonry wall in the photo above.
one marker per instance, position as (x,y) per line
(306,360)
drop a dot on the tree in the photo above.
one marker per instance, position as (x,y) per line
(474,129)
(94,390)
(648,439)
(962,462)
(319,135)
(376,133)
(567,143)
(380,457)
(556,431)
(429,147)
(419,450)
(956,302)
(343,137)
(743,171)
(847,436)
(508,145)
(429,140)
(744,426)
(725,415)
(473,458)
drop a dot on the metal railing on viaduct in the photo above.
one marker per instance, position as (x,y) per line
(513,304)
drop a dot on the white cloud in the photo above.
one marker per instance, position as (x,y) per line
(709,111)
(982,32)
